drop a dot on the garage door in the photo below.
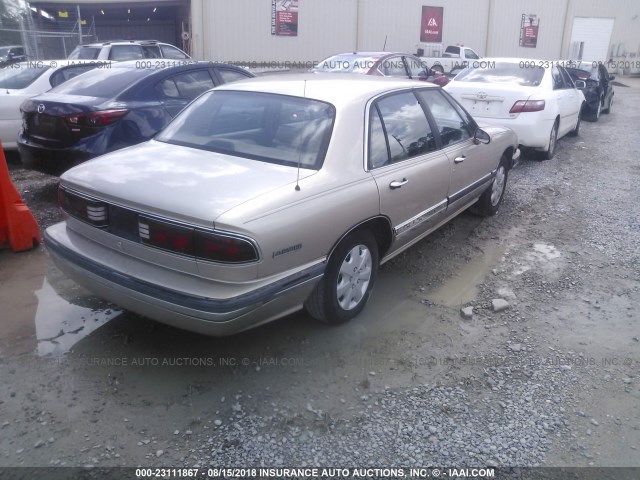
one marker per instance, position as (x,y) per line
(590,37)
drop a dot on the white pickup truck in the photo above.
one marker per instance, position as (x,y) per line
(454,59)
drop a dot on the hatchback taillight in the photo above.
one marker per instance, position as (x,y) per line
(201,244)
(101,118)
(88,210)
(527,106)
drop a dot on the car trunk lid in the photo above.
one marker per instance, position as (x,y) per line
(489,100)
(176,182)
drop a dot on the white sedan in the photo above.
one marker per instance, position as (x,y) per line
(537,99)
(20,81)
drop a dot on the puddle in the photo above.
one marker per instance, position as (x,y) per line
(37,318)
(463,287)
(61,324)
(542,255)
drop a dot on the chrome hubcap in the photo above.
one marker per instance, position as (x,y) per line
(354,277)
(498,186)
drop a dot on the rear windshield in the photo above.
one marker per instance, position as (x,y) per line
(503,73)
(346,63)
(104,83)
(21,75)
(260,126)
(85,53)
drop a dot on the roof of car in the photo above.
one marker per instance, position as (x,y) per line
(63,63)
(110,42)
(335,88)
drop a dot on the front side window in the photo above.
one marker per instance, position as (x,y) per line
(260,126)
(393,67)
(85,53)
(556,77)
(151,51)
(416,68)
(68,73)
(470,54)
(227,75)
(406,129)
(451,126)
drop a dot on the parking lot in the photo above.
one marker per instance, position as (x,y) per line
(550,380)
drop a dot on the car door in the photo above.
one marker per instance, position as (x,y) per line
(471,165)
(574,99)
(177,91)
(411,172)
(606,84)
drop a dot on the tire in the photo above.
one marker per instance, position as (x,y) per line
(595,116)
(576,131)
(608,109)
(550,152)
(490,201)
(339,296)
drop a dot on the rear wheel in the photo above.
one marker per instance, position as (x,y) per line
(549,153)
(347,283)
(490,200)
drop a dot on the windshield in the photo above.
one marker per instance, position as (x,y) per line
(260,126)
(85,53)
(20,75)
(346,63)
(503,73)
(4,51)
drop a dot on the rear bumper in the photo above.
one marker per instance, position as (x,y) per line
(209,316)
(48,159)
(532,130)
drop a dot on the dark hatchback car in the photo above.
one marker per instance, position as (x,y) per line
(384,64)
(598,91)
(108,109)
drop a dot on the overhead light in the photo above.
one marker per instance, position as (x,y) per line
(128,10)
(102,12)
(154,9)
(148,19)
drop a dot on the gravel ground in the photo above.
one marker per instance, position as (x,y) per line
(552,379)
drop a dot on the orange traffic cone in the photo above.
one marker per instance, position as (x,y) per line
(18,227)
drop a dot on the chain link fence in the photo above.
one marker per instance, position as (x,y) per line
(44,35)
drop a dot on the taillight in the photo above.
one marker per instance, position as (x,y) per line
(101,118)
(527,106)
(219,248)
(90,211)
(197,243)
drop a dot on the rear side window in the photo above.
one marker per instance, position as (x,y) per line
(503,73)
(125,52)
(85,53)
(192,84)
(151,51)
(20,77)
(556,77)
(68,73)
(169,51)
(104,83)
(408,133)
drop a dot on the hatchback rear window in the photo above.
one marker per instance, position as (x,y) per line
(20,75)
(85,53)
(260,126)
(103,83)
(503,73)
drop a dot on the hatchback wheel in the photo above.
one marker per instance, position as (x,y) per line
(348,280)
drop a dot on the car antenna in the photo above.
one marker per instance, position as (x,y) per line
(304,94)
(384,47)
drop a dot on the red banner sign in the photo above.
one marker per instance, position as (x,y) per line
(431,27)
(529,30)
(284,17)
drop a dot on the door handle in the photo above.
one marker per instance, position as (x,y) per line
(397,184)
(459,159)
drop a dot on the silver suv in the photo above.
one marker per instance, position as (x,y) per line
(121,50)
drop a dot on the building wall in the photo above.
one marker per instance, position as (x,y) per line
(241,30)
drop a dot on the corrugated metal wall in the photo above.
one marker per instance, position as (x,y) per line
(240,29)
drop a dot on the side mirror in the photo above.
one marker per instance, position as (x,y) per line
(580,84)
(612,77)
(481,137)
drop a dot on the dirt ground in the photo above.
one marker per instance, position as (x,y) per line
(552,380)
